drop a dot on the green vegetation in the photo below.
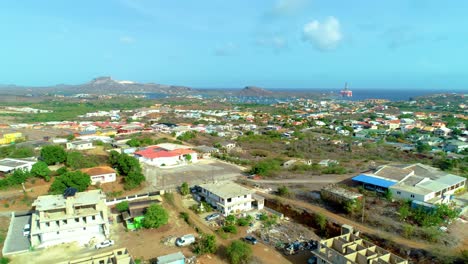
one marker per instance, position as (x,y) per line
(122,206)
(268,220)
(244,221)
(205,245)
(427,217)
(266,167)
(283,191)
(68,110)
(184,189)
(15,178)
(76,160)
(186,136)
(230,229)
(40,169)
(185,216)
(22,152)
(4,260)
(128,166)
(239,252)
(321,221)
(155,216)
(75,179)
(53,154)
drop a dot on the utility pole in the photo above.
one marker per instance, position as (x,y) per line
(363,206)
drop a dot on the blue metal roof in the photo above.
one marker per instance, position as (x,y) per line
(373,180)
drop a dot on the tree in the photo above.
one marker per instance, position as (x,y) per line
(62,170)
(122,206)
(155,216)
(114,158)
(239,252)
(188,157)
(52,154)
(422,147)
(133,180)
(134,142)
(404,211)
(205,245)
(184,189)
(40,169)
(75,179)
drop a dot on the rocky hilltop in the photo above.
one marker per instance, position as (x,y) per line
(255,91)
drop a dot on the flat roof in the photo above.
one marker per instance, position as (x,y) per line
(226,189)
(49,202)
(434,186)
(369,179)
(413,189)
(451,179)
(170,258)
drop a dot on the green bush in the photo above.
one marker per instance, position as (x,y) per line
(122,206)
(239,252)
(205,245)
(155,216)
(230,229)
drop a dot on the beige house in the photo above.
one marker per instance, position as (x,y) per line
(82,218)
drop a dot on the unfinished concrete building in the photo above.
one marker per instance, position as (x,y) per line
(351,249)
(117,256)
(82,217)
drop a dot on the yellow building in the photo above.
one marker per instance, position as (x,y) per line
(10,138)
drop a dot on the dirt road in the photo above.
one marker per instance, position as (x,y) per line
(261,252)
(342,220)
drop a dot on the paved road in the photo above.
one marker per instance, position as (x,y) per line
(318,179)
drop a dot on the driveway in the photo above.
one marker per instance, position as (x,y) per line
(15,241)
(201,172)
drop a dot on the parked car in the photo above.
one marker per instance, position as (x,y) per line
(105,243)
(185,240)
(250,239)
(26,230)
(212,217)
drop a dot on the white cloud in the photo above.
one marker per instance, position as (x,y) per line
(288,7)
(127,40)
(324,35)
(276,42)
(226,49)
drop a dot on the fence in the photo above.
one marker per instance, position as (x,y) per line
(133,197)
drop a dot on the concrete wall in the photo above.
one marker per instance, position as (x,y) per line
(103,178)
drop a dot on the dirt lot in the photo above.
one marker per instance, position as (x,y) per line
(204,170)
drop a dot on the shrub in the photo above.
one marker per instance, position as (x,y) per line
(283,191)
(239,252)
(155,216)
(184,189)
(122,206)
(205,245)
(230,229)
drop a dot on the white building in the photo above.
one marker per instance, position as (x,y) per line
(103,174)
(413,182)
(9,165)
(79,218)
(80,145)
(227,197)
(165,155)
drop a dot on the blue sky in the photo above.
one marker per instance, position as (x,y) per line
(418,44)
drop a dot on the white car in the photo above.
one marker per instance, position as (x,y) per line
(26,230)
(105,243)
(185,240)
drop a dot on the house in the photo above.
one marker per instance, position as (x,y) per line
(442,132)
(205,151)
(175,258)
(350,248)
(9,138)
(227,197)
(413,182)
(102,174)
(116,256)
(227,145)
(80,145)
(161,155)
(456,146)
(8,165)
(61,219)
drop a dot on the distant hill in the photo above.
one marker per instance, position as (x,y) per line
(105,85)
(255,91)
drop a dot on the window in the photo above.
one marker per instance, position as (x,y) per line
(398,192)
(229,200)
(93,217)
(47,224)
(58,232)
(84,228)
(77,220)
(245,196)
(412,196)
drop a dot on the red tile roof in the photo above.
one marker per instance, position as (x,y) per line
(157,152)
